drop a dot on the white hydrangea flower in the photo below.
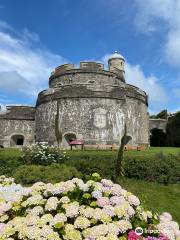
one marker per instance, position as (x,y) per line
(104,216)
(133,200)
(72,209)
(81,222)
(34,200)
(58,218)
(51,204)
(64,200)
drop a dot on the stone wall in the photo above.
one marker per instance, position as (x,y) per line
(137,122)
(17,126)
(158,123)
(94,120)
(83,76)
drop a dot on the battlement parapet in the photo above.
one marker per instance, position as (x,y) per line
(91,66)
(63,68)
(89,91)
(95,66)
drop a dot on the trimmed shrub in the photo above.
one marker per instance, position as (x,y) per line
(28,174)
(161,168)
(10,159)
(105,167)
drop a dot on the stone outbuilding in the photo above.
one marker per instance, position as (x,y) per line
(17,126)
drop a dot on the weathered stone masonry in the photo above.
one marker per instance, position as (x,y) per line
(94,105)
(17,126)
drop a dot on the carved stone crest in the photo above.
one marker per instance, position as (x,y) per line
(99,118)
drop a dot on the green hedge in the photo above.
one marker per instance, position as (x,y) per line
(161,168)
(10,159)
(158,167)
(28,174)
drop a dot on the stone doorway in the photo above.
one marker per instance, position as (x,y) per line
(17,140)
(157,138)
(70,137)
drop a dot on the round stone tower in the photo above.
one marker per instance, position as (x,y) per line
(92,104)
(116,64)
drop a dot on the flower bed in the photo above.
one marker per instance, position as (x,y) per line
(74,210)
(42,154)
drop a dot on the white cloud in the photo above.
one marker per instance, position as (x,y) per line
(150,84)
(10,80)
(24,67)
(172,48)
(162,15)
(149,12)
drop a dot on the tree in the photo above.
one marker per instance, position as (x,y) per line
(118,163)
(173,130)
(58,131)
(162,115)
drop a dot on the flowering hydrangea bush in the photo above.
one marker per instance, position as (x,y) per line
(43,154)
(75,210)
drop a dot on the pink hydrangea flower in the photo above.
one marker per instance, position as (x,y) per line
(132,235)
(2,227)
(115,200)
(163,237)
(103,201)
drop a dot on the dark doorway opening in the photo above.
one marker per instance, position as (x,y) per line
(157,138)
(70,137)
(17,140)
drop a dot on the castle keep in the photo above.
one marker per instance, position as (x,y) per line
(94,104)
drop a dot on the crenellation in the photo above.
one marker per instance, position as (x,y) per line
(94,66)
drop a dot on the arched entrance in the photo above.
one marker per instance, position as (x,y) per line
(70,137)
(157,138)
(17,140)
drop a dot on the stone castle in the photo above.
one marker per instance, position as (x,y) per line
(94,105)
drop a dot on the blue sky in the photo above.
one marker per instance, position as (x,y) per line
(38,35)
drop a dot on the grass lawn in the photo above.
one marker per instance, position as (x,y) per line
(149,152)
(158,197)
(10,152)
